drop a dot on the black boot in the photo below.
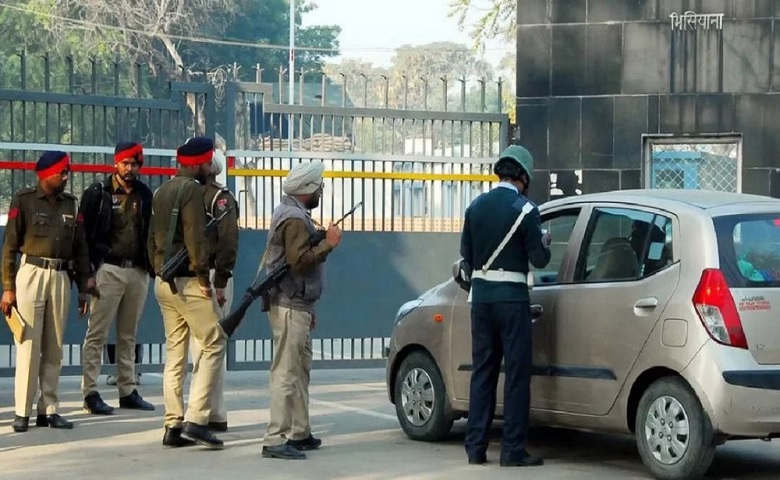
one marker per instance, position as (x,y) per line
(21,423)
(173,438)
(520,459)
(135,402)
(96,406)
(53,421)
(218,426)
(202,435)
(283,451)
(309,443)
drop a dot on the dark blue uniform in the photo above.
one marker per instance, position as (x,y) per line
(500,316)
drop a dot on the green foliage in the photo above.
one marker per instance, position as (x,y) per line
(498,20)
(417,79)
(435,77)
(264,22)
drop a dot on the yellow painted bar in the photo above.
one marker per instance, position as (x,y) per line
(451,177)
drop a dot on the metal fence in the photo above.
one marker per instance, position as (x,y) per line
(704,163)
(414,170)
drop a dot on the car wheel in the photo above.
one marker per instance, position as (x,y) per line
(673,434)
(421,400)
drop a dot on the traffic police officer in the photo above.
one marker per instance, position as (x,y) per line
(501,234)
(116,214)
(179,219)
(222,206)
(44,226)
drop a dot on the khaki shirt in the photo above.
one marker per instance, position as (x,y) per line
(223,240)
(39,226)
(124,231)
(190,230)
(298,253)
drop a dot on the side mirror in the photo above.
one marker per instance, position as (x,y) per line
(461,273)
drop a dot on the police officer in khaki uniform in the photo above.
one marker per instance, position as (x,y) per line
(179,219)
(116,214)
(45,228)
(292,312)
(223,248)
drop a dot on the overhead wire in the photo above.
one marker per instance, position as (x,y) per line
(225,41)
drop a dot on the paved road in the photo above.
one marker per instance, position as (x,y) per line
(350,412)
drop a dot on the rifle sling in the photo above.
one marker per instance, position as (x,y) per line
(173,222)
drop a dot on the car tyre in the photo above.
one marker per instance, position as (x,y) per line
(667,410)
(421,402)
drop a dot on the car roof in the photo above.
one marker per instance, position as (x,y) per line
(702,199)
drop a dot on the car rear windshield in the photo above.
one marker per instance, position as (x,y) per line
(749,249)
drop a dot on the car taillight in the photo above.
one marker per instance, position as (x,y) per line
(717,310)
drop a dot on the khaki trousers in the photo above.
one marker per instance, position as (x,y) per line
(185,313)
(218,412)
(123,292)
(290,374)
(43,300)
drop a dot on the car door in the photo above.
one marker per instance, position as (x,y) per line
(562,225)
(624,276)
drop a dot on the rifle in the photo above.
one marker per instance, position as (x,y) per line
(176,262)
(230,323)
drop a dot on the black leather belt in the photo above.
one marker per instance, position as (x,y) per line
(121,262)
(58,264)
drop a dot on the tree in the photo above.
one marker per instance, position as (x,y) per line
(113,37)
(498,20)
(420,77)
(416,78)
(265,22)
(159,33)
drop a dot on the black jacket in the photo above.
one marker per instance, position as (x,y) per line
(96,209)
(487,221)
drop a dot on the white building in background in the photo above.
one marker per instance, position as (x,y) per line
(382,198)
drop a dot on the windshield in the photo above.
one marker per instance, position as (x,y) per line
(749,249)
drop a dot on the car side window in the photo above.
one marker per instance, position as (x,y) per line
(560,226)
(623,244)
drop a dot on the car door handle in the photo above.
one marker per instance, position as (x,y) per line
(536,311)
(649,302)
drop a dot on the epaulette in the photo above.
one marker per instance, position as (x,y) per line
(522,202)
(214,200)
(227,190)
(26,191)
(70,196)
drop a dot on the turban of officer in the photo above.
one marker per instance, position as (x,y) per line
(218,162)
(304,178)
(52,163)
(196,151)
(125,150)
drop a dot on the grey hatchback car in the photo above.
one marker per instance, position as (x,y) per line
(655,318)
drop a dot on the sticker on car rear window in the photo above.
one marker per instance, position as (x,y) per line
(753,303)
